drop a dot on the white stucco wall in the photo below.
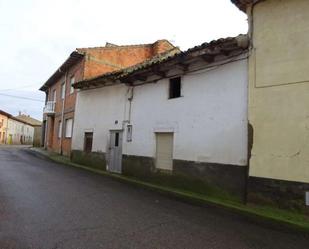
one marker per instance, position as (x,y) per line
(17,129)
(96,110)
(209,121)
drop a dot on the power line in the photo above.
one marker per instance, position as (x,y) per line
(16,88)
(20,97)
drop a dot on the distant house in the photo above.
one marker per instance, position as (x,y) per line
(180,120)
(36,124)
(3,126)
(82,64)
(14,130)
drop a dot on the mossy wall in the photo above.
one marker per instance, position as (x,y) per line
(278,193)
(220,181)
(94,159)
(226,182)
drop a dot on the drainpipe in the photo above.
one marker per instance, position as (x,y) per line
(130,103)
(62,111)
(130,92)
(46,123)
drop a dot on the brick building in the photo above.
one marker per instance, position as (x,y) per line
(86,63)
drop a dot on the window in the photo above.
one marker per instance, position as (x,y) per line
(72,81)
(129,133)
(116,139)
(175,88)
(54,95)
(59,129)
(68,128)
(88,142)
(62,90)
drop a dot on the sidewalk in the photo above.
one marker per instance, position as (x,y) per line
(268,216)
(21,146)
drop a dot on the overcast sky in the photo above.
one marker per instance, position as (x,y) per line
(36,36)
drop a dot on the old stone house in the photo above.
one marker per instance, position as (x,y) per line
(85,63)
(278,101)
(179,120)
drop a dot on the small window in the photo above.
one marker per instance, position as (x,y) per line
(175,88)
(88,142)
(72,81)
(59,129)
(116,139)
(62,90)
(68,128)
(55,95)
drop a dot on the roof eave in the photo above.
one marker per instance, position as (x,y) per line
(243,4)
(212,49)
(115,75)
(74,57)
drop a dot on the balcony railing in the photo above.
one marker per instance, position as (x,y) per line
(49,108)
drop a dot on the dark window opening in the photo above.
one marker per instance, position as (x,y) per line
(116,139)
(88,142)
(175,88)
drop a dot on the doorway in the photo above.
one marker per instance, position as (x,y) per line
(164,151)
(115,152)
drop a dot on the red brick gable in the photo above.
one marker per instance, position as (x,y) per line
(112,58)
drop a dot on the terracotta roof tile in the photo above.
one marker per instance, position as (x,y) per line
(220,46)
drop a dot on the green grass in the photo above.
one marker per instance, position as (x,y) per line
(267,213)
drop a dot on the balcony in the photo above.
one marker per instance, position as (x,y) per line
(49,108)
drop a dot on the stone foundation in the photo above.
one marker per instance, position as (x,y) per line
(226,181)
(94,159)
(228,177)
(280,193)
(222,181)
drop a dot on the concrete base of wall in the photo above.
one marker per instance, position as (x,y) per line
(228,177)
(283,194)
(226,181)
(93,159)
(223,181)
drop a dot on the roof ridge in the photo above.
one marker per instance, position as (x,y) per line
(163,56)
(126,45)
(239,42)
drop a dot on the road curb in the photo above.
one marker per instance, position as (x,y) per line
(241,212)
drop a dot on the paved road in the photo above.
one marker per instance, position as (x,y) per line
(46,205)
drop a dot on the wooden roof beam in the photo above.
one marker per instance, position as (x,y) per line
(208,58)
(159,72)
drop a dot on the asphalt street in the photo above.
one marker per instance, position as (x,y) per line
(47,205)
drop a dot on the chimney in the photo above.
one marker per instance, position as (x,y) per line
(161,46)
(19,113)
(110,45)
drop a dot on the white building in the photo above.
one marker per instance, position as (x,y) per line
(181,120)
(19,132)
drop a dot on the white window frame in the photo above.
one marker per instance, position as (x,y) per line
(68,127)
(72,81)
